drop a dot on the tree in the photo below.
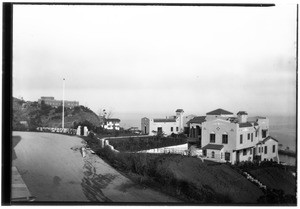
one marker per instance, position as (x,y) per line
(105,113)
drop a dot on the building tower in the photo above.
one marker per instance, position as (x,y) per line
(179,115)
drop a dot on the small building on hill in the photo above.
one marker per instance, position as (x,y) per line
(225,137)
(56,103)
(112,124)
(173,124)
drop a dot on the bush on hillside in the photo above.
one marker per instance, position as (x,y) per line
(45,109)
(277,197)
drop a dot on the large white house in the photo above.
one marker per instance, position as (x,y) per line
(173,124)
(222,136)
(112,124)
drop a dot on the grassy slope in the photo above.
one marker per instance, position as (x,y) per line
(205,178)
(276,178)
(70,118)
(221,179)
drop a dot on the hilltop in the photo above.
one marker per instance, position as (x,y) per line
(42,115)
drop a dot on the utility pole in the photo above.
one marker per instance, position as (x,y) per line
(63,105)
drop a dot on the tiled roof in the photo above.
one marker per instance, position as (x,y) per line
(164,120)
(242,113)
(219,112)
(243,125)
(213,146)
(198,119)
(179,110)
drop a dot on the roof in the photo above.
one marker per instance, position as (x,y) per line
(269,137)
(241,148)
(243,125)
(266,139)
(179,110)
(164,120)
(198,119)
(213,146)
(113,119)
(219,112)
(242,113)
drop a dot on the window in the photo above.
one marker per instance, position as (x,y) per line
(225,139)
(250,151)
(264,133)
(273,148)
(176,128)
(241,139)
(256,133)
(221,155)
(212,138)
(266,151)
(248,136)
(244,151)
(171,128)
(251,137)
(212,154)
(259,150)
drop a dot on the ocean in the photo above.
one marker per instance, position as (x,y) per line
(283,128)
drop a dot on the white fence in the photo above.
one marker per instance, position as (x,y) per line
(57,130)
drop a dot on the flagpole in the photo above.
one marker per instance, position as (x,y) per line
(63,105)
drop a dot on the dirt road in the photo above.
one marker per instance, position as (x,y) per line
(53,169)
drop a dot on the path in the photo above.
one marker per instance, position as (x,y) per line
(53,171)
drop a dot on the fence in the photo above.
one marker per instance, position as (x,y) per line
(57,130)
(165,151)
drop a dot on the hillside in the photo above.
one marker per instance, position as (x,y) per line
(276,178)
(211,180)
(46,116)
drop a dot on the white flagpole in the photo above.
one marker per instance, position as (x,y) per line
(63,105)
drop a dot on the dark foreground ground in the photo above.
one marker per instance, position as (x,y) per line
(53,169)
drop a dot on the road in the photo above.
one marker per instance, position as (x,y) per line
(53,169)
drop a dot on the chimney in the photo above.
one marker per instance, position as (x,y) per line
(242,116)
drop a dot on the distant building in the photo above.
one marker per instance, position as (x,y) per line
(112,124)
(225,137)
(173,124)
(186,119)
(55,103)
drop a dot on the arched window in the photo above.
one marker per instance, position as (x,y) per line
(212,154)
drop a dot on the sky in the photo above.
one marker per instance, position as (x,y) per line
(149,61)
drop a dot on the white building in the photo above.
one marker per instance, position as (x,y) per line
(225,137)
(112,124)
(173,124)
